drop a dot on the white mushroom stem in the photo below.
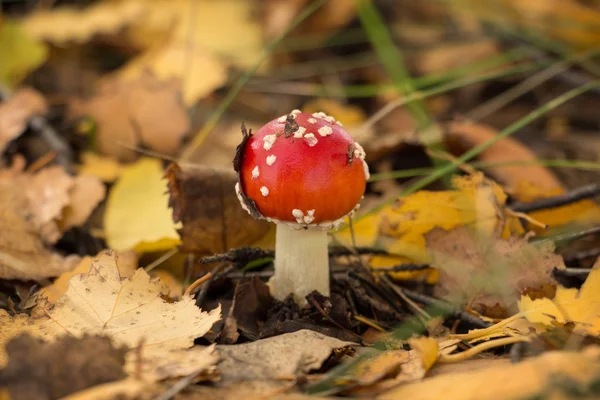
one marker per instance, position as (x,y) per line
(301,263)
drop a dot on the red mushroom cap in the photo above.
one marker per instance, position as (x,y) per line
(302,169)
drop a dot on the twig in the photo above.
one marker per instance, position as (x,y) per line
(337,251)
(161,259)
(368,322)
(237,255)
(577,257)
(577,272)
(403,267)
(380,291)
(581,193)
(431,301)
(197,283)
(531,220)
(216,273)
(404,297)
(312,300)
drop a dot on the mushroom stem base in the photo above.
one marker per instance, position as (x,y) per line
(301,263)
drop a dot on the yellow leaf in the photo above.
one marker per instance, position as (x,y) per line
(104,168)
(68,24)
(401,228)
(19,52)
(137,213)
(226,29)
(582,307)
(532,378)
(130,311)
(427,348)
(195,41)
(198,72)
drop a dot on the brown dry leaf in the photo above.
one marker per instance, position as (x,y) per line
(462,136)
(204,201)
(332,16)
(159,363)
(107,169)
(583,212)
(23,255)
(87,192)
(174,287)
(581,307)
(490,274)
(451,56)
(57,201)
(16,112)
(35,372)
(286,355)
(145,111)
(51,293)
(48,195)
(196,50)
(130,311)
(570,22)
(129,388)
(380,370)
(69,24)
(551,373)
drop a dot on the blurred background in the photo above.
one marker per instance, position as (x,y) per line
(117,89)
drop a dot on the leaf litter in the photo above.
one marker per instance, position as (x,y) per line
(428,292)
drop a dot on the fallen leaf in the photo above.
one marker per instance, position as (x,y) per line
(203,199)
(173,285)
(569,23)
(251,304)
(490,274)
(401,228)
(16,111)
(51,293)
(69,24)
(583,212)
(142,111)
(554,372)
(286,355)
(87,192)
(378,370)
(107,169)
(515,325)
(450,57)
(332,16)
(137,214)
(156,364)
(172,61)
(129,388)
(463,136)
(23,255)
(129,311)
(34,371)
(21,53)
(220,34)
(581,307)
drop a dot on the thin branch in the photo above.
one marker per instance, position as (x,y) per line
(584,192)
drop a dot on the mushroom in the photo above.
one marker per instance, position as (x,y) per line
(305,173)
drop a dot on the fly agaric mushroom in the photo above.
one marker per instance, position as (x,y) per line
(305,173)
